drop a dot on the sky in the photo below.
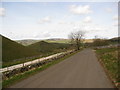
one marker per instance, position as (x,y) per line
(44,20)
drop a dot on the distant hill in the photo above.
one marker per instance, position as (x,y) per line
(27,42)
(55,39)
(47,48)
(51,40)
(12,50)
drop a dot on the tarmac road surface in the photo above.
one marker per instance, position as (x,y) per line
(81,70)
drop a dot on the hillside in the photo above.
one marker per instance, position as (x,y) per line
(48,48)
(115,40)
(12,50)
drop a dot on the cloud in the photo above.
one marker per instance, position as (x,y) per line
(30,0)
(115,17)
(43,35)
(80,9)
(116,23)
(46,19)
(88,19)
(2,11)
(64,19)
(62,22)
(109,10)
(46,35)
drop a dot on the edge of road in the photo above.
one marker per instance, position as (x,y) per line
(105,70)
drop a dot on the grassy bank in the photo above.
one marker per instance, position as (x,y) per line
(14,79)
(109,58)
(23,60)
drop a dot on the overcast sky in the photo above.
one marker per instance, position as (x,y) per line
(43,20)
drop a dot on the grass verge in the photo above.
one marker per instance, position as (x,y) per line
(19,77)
(23,60)
(109,59)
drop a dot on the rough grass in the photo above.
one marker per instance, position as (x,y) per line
(12,50)
(45,47)
(109,58)
(19,77)
(15,53)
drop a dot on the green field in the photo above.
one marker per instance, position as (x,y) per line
(109,58)
(59,41)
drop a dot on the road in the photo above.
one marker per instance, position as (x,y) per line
(81,70)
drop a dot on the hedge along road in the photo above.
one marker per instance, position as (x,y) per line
(81,70)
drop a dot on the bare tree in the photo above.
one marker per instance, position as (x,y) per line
(77,38)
